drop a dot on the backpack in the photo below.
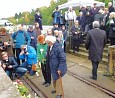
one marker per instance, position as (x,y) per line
(24,36)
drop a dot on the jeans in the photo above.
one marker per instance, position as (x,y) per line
(28,67)
(8,73)
(21,71)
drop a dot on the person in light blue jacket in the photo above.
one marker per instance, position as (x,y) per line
(20,37)
(28,53)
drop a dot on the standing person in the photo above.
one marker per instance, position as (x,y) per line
(41,57)
(57,62)
(20,37)
(70,16)
(56,16)
(32,35)
(5,42)
(65,36)
(95,42)
(38,18)
(37,29)
(94,10)
(111,8)
(76,30)
(105,20)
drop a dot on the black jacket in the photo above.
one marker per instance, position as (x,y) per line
(95,43)
(11,61)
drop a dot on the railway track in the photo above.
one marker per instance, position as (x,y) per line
(40,94)
(37,93)
(110,93)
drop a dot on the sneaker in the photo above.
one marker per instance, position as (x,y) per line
(43,83)
(47,84)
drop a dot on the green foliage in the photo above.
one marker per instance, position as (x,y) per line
(46,12)
(28,17)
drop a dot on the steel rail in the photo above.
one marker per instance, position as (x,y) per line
(110,93)
(34,88)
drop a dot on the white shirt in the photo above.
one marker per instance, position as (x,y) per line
(70,15)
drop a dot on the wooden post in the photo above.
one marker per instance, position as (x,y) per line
(60,78)
(112,60)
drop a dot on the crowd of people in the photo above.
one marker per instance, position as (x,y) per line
(22,49)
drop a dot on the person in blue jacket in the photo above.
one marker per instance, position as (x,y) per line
(28,53)
(20,37)
(57,62)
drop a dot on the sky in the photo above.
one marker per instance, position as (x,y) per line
(10,7)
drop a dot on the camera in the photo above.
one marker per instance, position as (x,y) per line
(25,51)
(6,63)
(2,44)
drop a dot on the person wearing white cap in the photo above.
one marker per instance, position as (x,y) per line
(57,63)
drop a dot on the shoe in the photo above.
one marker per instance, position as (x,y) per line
(53,91)
(91,77)
(43,83)
(47,84)
(58,96)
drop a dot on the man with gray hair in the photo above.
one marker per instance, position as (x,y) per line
(57,63)
(95,42)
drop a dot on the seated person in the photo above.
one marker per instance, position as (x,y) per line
(29,54)
(10,65)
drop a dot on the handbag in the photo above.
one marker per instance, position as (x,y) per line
(34,67)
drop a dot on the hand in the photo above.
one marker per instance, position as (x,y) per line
(59,72)
(32,37)
(1,48)
(6,43)
(75,32)
(4,66)
(10,66)
(27,53)
(22,52)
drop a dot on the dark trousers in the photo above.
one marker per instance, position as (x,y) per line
(94,69)
(76,44)
(18,50)
(46,74)
(64,46)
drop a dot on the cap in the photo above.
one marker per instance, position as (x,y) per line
(30,27)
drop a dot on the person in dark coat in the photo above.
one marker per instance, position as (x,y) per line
(33,37)
(111,8)
(95,42)
(76,30)
(38,18)
(82,21)
(10,65)
(57,62)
